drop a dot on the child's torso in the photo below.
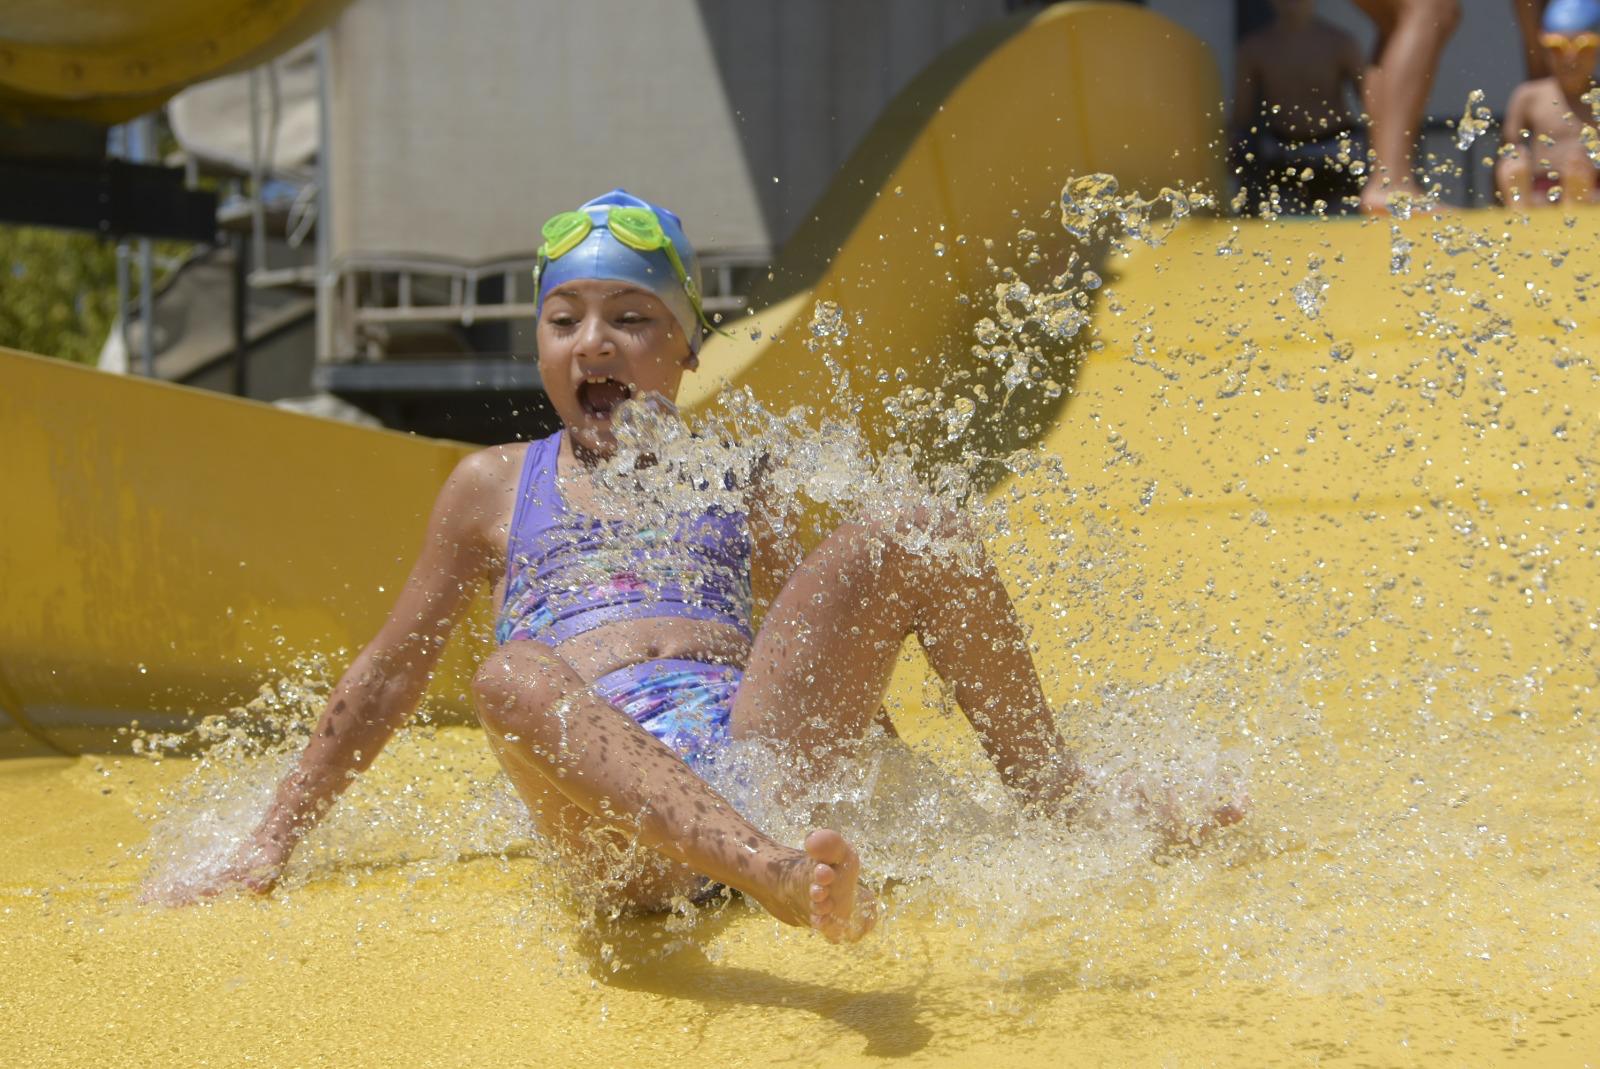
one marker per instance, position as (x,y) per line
(1302,75)
(608,592)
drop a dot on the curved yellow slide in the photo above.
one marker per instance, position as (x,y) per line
(108,61)
(1327,486)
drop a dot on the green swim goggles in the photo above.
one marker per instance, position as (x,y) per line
(637,228)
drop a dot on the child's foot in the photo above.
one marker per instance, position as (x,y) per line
(841,909)
(1400,199)
(821,890)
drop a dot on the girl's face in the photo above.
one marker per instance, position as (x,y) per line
(600,343)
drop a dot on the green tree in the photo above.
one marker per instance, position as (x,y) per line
(58,292)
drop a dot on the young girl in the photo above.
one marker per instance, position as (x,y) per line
(625,656)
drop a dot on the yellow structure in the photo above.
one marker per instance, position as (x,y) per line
(1348,466)
(108,61)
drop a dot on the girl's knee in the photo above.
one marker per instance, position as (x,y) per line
(918,551)
(510,686)
(916,530)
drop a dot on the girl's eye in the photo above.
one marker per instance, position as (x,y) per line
(632,318)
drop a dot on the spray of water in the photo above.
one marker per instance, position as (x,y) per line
(1370,791)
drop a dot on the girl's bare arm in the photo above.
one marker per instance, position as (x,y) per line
(387,679)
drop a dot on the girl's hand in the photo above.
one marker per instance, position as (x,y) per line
(256,866)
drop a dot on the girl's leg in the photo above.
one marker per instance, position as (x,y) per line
(1513,176)
(1577,175)
(578,763)
(1411,37)
(821,664)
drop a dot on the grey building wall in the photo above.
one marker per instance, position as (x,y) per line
(458,128)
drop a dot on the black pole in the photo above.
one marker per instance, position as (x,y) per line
(241,313)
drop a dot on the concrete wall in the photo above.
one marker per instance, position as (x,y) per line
(459,128)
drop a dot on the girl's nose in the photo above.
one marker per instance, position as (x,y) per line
(592,342)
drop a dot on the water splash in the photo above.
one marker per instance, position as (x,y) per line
(1310,292)
(1474,122)
(1399,245)
(1588,136)
(1404,785)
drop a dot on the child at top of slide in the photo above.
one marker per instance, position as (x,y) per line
(1304,68)
(625,658)
(1294,80)
(1544,150)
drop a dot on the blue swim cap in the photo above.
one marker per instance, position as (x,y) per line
(1572,16)
(600,255)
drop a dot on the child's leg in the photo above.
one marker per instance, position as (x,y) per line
(1513,176)
(1577,174)
(1411,37)
(821,664)
(578,763)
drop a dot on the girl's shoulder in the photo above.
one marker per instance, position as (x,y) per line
(494,465)
(501,465)
(486,481)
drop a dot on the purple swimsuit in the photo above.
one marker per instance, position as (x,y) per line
(567,573)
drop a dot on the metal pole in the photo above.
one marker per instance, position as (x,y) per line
(145,151)
(118,147)
(147,310)
(241,315)
(324,277)
(258,210)
(124,293)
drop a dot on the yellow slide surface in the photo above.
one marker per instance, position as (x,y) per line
(1327,488)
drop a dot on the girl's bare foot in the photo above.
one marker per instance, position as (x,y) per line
(841,909)
(820,888)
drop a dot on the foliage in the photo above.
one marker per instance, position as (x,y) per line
(58,292)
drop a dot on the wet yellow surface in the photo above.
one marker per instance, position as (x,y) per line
(1246,954)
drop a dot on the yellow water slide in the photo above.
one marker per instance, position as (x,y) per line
(107,61)
(1347,468)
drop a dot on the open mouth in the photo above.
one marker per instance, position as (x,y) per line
(599,397)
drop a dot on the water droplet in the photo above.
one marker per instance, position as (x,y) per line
(1309,294)
(957,417)
(1399,251)
(1474,121)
